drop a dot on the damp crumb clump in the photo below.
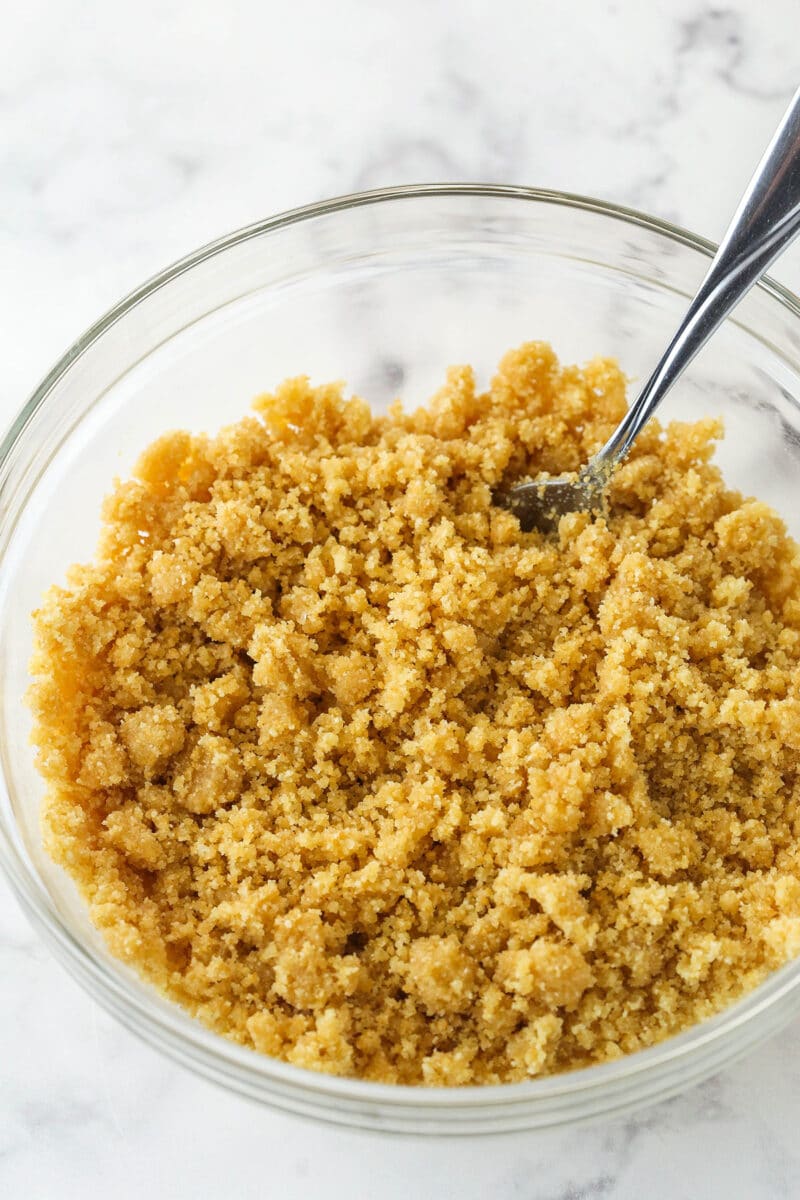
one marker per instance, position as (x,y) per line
(373,782)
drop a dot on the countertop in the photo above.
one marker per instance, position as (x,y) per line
(131,133)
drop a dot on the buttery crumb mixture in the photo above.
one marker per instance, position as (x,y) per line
(373,782)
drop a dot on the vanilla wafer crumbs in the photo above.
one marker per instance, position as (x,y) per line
(373,782)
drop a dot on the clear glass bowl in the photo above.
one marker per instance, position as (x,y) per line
(382,290)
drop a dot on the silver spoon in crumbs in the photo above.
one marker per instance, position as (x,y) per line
(764,224)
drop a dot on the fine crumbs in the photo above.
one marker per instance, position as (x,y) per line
(373,782)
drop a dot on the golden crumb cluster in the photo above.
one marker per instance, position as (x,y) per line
(373,782)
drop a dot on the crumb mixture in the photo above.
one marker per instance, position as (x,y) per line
(375,783)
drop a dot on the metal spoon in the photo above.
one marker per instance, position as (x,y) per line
(766,221)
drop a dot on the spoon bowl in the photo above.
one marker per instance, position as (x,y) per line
(542,503)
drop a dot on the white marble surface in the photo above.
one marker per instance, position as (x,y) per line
(131,132)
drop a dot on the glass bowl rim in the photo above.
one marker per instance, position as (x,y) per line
(168,1019)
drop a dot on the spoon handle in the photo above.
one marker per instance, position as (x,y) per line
(766,221)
